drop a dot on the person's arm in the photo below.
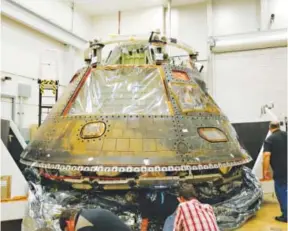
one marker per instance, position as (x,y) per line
(144,224)
(267,175)
(178,223)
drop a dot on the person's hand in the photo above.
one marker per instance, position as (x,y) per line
(267,175)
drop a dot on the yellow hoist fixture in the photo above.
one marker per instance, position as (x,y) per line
(46,85)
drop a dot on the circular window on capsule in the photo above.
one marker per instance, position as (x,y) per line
(93,130)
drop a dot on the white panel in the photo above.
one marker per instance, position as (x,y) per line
(142,21)
(237,16)
(132,22)
(24,56)
(14,210)
(105,25)
(19,185)
(55,11)
(279,9)
(82,25)
(61,13)
(6,108)
(245,81)
(101,7)
(189,24)
(25,16)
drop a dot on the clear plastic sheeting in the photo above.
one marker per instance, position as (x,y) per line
(191,98)
(122,90)
(240,199)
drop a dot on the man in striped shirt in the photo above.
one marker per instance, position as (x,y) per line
(191,215)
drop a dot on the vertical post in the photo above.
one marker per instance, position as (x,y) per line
(20,124)
(264,14)
(119,21)
(169,18)
(13,109)
(40,104)
(210,55)
(72,15)
(164,15)
(56,93)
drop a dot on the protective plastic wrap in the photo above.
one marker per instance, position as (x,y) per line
(191,98)
(240,200)
(235,211)
(122,90)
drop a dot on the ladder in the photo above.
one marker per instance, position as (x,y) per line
(48,95)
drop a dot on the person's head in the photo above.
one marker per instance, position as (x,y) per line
(274,125)
(67,219)
(186,192)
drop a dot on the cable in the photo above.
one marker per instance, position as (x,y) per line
(25,77)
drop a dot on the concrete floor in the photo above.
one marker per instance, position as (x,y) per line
(264,219)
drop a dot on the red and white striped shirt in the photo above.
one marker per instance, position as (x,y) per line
(194,216)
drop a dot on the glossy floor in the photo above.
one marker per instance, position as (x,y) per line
(264,219)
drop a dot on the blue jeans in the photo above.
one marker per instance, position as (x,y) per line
(281,193)
(169,222)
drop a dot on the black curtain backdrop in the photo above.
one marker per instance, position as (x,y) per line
(251,137)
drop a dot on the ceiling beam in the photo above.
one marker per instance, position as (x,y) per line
(31,19)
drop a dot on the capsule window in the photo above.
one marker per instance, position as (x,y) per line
(93,130)
(180,75)
(213,135)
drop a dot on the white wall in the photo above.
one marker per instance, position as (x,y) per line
(132,22)
(245,81)
(233,17)
(142,21)
(104,25)
(23,50)
(19,186)
(277,7)
(189,24)
(60,12)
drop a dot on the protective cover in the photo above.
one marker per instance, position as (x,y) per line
(233,203)
(125,90)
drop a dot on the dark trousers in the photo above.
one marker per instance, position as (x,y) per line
(281,193)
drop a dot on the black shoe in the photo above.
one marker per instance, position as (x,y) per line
(281,219)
